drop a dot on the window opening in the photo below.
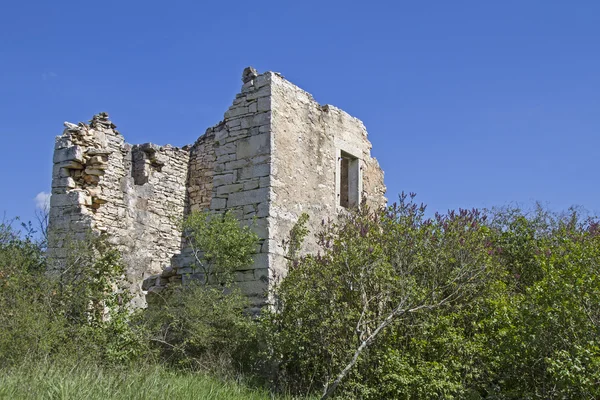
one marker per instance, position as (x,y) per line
(349,181)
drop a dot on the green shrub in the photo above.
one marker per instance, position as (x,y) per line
(220,245)
(205,323)
(75,312)
(521,318)
(203,328)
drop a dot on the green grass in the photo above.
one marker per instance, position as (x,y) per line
(51,381)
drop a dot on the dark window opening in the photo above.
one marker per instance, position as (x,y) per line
(349,181)
(344,186)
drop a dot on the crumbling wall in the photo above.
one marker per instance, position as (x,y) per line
(240,182)
(80,161)
(276,154)
(201,172)
(135,195)
(308,143)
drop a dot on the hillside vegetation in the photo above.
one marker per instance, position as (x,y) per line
(500,304)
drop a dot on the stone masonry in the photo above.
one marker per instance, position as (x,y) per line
(276,154)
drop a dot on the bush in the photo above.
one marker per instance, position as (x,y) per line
(77,312)
(205,323)
(204,328)
(498,305)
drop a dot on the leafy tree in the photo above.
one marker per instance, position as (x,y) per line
(376,269)
(545,330)
(220,245)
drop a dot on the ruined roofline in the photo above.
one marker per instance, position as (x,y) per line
(249,74)
(325,107)
(275,154)
(102,121)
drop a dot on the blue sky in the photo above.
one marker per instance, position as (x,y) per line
(467,103)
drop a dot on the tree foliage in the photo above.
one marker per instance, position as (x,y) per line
(220,245)
(79,312)
(204,322)
(500,304)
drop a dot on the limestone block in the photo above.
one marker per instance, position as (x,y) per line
(244,276)
(74,153)
(94,171)
(255,171)
(261,81)
(233,123)
(261,119)
(221,134)
(98,152)
(219,167)
(79,197)
(231,165)
(247,122)
(253,288)
(253,146)
(225,149)
(70,165)
(261,274)
(227,157)
(236,112)
(59,172)
(260,227)
(59,200)
(247,197)
(264,104)
(218,204)
(262,210)
(253,184)
(236,187)
(66,182)
(262,92)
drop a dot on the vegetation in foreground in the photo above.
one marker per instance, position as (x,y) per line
(91,382)
(501,304)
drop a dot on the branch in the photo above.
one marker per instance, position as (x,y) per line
(396,313)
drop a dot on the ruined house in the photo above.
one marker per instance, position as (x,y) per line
(276,154)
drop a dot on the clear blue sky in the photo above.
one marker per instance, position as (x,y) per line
(467,103)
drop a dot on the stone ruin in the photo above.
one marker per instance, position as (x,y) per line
(276,154)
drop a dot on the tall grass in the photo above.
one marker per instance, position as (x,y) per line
(71,381)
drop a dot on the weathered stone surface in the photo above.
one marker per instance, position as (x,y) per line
(247,197)
(275,155)
(253,146)
(74,153)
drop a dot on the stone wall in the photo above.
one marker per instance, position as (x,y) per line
(201,172)
(135,195)
(308,141)
(80,160)
(276,154)
(240,184)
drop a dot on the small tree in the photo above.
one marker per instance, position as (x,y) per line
(204,324)
(219,244)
